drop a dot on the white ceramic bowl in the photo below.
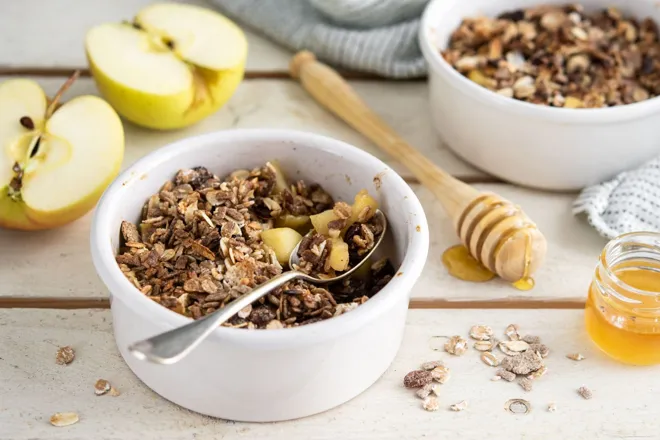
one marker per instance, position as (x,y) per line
(266,375)
(530,144)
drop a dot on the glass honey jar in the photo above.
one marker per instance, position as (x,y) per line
(622,314)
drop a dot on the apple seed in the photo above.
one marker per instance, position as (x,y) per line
(27,122)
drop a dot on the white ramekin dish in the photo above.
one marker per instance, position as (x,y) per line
(524,143)
(266,375)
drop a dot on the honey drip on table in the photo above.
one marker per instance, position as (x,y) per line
(461,264)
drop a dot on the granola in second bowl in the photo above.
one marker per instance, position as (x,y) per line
(199,245)
(560,56)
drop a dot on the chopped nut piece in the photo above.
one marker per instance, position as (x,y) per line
(431,403)
(460,406)
(481,332)
(65,355)
(506,375)
(489,358)
(513,347)
(552,407)
(101,387)
(526,384)
(512,332)
(575,356)
(456,346)
(417,379)
(541,349)
(518,406)
(496,378)
(431,365)
(483,345)
(441,374)
(585,392)
(64,419)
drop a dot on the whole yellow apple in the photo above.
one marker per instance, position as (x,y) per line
(172,66)
(54,164)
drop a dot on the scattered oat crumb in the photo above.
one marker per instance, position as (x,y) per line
(532,339)
(585,392)
(460,406)
(101,387)
(456,346)
(431,365)
(431,403)
(506,375)
(114,392)
(526,384)
(441,374)
(65,355)
(496,378)
(575,356)
(552,407)
(481,332)
(64,419)
(417,379)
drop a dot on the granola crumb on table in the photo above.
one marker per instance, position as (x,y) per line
(197,246)
(560,56)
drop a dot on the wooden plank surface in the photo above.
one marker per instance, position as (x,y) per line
(51,34)
(63,259)
(33,387)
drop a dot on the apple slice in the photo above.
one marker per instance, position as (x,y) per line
(54,165)
(173,66)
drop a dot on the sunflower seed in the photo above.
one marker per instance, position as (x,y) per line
(460,406)
(518,406)
(481,332)
(575,356)
(64,419)
(456,346)
(490,359)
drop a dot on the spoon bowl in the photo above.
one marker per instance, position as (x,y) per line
(171,346)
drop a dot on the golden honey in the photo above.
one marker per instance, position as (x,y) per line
(622,314)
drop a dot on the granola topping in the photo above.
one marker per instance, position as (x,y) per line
(560,56)
(198,246)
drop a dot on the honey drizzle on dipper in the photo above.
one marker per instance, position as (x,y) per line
(463,264)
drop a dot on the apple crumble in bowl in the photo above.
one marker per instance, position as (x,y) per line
(203,241)
(173,241)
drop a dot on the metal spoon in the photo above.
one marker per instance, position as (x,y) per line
(174,345)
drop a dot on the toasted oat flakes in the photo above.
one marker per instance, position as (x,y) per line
(481,332)
(512,332)
(456,346)
(514,347)
(560,56)
(525,383)
(101,387)
(460,406)
(441,374)
(64,419)
(430,365)
(490,359)
(585,392)
(417,379)
(506,375)
(552,407)
(197,246)
(538,373)
(518,406)
(431,403)
(65,355)
(483,345)
(575,356)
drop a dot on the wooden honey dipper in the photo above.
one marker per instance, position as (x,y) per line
(497,232)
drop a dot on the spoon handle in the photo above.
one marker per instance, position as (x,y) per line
(170,347)
(334,93)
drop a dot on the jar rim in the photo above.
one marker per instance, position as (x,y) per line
(627,238)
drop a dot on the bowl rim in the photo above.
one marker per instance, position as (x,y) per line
(436,11)
(121,289)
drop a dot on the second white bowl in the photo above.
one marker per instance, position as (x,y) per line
(524,143)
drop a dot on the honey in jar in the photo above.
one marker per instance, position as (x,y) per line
(622,314)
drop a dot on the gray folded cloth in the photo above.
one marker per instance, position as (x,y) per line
(380,36)
(375,36)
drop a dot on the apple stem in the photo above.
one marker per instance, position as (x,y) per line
(53,104)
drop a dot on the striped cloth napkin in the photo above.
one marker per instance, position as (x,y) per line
(380,37)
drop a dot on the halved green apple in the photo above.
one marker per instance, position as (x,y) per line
(172,66)
(54,164)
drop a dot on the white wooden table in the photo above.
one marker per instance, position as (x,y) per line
(45,275)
